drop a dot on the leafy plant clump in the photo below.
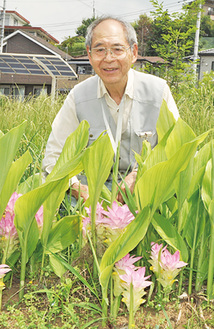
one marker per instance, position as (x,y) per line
(96,264)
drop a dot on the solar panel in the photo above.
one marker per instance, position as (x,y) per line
(34,64)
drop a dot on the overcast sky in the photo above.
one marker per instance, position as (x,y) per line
(61,18)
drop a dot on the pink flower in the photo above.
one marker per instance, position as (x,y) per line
(171,262)
(118,216)
(127,262)
(165,265)
(39,217)
(136,277)
(99,217)
(139,283)
(7,227)
(3,270)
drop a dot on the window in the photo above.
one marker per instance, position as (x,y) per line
(17,92)
(39,90)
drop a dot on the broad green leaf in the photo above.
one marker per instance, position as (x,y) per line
(58,268)
(170,234)
(63,233)
(194,222)
(9,144)
(126,242)
(13,177)
(97,162)
(30,183)
(200,161)
(28,204)
(181,134)
(206,192)
(74,145)
(182,183)
(165,121)
(156,184)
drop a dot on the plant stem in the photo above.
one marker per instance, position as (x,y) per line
(131,308)
(1,298)
(211,265)
(193,247)
(211,258)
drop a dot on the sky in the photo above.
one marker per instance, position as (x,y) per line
(61,18)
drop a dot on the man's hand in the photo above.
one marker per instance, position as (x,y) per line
(80,188)
(130,181)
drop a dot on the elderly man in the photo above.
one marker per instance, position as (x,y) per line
(118,99)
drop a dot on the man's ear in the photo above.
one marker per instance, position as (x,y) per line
(89,54)
(134,53)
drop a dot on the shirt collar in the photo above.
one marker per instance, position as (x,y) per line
(129,91)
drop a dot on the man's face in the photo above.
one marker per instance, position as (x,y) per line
(112,70)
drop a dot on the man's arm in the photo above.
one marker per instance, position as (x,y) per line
(63,125)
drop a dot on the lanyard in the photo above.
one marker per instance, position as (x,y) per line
(115,141)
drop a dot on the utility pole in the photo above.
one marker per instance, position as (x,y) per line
(2,27)
(196,44)
(93,8)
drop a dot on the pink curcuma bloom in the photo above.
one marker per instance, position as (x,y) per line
(139,283)
(7,227)
(127,262)
(87,220)
(136,277)
(99,213)
(3,270)
(118,217)
(165,265)
(171,262)
(39,217)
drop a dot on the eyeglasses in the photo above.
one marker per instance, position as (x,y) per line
(116,51)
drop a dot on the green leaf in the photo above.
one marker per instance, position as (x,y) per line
(165,121)
(9,144)
(207,185)
(58,268)
(181,134)
(13,177)
(170,234)
(63,233)
(156,184)
(71,151)
(97,161)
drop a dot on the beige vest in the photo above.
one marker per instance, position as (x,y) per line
(147,100)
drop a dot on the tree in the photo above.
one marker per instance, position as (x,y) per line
(173,37)
(81,30)
(143,28)
(74,46)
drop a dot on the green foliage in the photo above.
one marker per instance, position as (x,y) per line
(81,30)
(74,46)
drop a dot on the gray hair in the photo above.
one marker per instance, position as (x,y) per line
(127,27)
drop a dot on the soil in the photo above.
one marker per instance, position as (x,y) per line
(187,313)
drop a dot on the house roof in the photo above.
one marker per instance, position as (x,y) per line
(206,52)
(17,14)
(151,59)
(35,65)
(41,42)
(31,28)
